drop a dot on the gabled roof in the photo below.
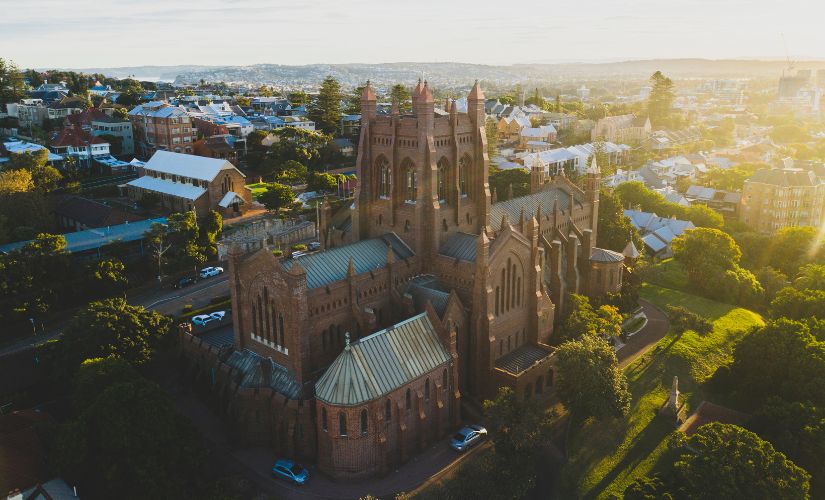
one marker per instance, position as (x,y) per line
(192,166)
(75,137)
(159,185)
(92,213)
(521,359)
(257,371)
(229,198)
(530,204)
(460,246)
(378,364)
(331,265)
(604,255)
(89,239)
(630,250)
(427,288)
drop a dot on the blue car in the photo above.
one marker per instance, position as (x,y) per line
(291,471)
(467,437)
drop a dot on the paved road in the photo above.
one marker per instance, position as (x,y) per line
(636,346)
(164,301)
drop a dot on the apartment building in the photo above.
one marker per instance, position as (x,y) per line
(159,126)
(782,197)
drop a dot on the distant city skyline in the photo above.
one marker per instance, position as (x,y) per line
(86,34)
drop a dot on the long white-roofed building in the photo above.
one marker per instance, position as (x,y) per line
(186,182)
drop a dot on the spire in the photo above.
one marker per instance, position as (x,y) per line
(482,244)
(453,107)
(297,269)
(494,196)
(418,89)
(426,94)
(504,222)
(476,94)
(594,167)
(521,219)
(510,191)
(346,340)
(368,94)
(538,212)
(351,268)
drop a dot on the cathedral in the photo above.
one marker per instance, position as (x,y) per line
(426,298)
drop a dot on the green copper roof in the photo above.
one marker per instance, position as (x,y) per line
(331,265)
(460,246)
(530,204)
(376,365)
(426,288)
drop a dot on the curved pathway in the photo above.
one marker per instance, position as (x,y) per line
(657,327)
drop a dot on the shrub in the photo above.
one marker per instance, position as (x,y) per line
(277,252)
(299,247)
(187,308)
(682,319)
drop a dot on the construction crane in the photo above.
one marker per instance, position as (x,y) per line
(787,56)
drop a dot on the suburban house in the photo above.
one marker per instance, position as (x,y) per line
(100,123)
(9,148)
(159,126)
(217,146)
(657,232)
(622,128)
(509,127)
(724,202)
(574,157)
(189,182)
(544,133)
(782,197)
(85,148)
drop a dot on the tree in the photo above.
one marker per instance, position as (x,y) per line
(354,100)
(793,303)
(325,110)
(810,277)
(518,426)
(615,229)
(185,240)
(96,374)
(789,133)
(604,321)
(130,442)
(298,98)
(297,144)
(277,196)
(590,382)
(772,280)
(660,101)
(502,180)
(703,252)
(12,87)
(782,359)
(704,216)
(727,461)
(401,96)
(114,327)
(15,181)
(321,182)
(646,488)
(110,275)
(491,131)
(797,429)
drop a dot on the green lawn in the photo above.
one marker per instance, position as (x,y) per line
(669,274)
(607,456)
(258,189)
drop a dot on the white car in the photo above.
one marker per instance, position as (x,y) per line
(203,319)
(217,315)
(206,272)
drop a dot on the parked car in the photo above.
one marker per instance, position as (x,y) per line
(291,471)
(207,272)
(184,282)
(467,437)
(217,315)
(202,319)
(314,245)
(298,253)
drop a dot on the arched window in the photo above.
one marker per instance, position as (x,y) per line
(464,166)
(443,178)
(427,390)
(539,385)
(410,182)
(388,410)
(528,391)
(409,401)
(444,379)
(281,327)
(550,378)
(364,422)
(267,324)
(342,424)
(498,299)
(384,177)
(324,419)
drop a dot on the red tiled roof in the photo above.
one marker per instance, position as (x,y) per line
(86,117)
(73,136)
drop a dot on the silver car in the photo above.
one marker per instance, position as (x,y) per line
(467,437)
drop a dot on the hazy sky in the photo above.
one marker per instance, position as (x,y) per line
(100,33)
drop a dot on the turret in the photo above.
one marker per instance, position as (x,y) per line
(368,102)
(475,105)
(537,176)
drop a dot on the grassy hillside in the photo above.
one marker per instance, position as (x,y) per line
(607,456)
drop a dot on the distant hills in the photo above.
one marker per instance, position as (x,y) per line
(457,74)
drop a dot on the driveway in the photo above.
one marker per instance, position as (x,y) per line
(657,327)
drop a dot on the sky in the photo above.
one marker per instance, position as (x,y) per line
(117,33)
